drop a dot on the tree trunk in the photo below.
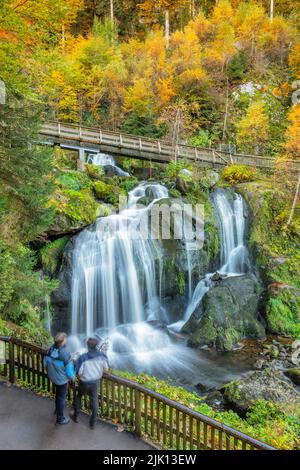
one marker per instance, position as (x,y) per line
(167,28)
(271,10)
(193,12)
(112,16)
(226,112)
(294,201)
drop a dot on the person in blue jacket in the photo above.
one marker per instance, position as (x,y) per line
(60,368)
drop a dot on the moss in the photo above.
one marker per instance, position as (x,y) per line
(277,252)
(80,206)
(276,425)
(38,335)
(107,192)
(181,282)
(73,180)
(283,313)
(207,334)
(94,171)
(51,255)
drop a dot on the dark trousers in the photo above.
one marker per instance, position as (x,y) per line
(90,389)
(60,398)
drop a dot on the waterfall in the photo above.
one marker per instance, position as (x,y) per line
(104,160)
(47,314)
(234,253)
(115,273)
(117,281)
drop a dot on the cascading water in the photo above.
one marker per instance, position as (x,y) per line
(114,273)
(104,160)
(117,283)
(234,253)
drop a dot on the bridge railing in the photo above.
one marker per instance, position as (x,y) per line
(160,150)
(147,413)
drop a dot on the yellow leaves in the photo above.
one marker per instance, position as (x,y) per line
(222,12)
(292,135)
(191,77)
(138,97)
(294,59)
(200,25)
(165,90)
(253,129)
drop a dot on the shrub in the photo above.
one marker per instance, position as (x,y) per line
(79,206)
(107,192)
(73,180)
(238,174)
(95,172)
(175,170)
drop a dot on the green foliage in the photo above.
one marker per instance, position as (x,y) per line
(238,174)
(237,66)
(74,180)
(265,421)
(174,170)
(24,289)
(64,159)
(95,172)
(143,125)
(107,192)
(6,275)
(35,335)
(79,206)
(51,255)
(203,139)
(278,256)
(283,313)
(25,171)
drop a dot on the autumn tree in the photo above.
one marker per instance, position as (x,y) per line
(152,12)
(253,128)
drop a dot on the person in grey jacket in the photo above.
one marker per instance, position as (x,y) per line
(60,368)
(90,367)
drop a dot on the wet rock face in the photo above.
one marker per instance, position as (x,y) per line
(61,298)
(266,385)
(228,313)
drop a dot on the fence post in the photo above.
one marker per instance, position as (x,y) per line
(11,362)
(138,413)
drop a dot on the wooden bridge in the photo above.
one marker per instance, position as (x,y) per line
(93,140)
(165,422)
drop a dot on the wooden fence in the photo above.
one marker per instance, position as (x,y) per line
(77,136)
(149,414)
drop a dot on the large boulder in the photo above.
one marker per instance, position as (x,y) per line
(266,385)
(228,312)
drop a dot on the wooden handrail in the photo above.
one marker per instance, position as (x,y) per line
(163,149)
(148,412)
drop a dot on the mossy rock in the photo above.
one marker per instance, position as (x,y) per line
(229,313)
(276,250)
(94,171)
(51,255)
(74,211)
(266,385)
(107,192)
(294,375)
(283,313)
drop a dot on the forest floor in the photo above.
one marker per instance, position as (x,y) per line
(27,423)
